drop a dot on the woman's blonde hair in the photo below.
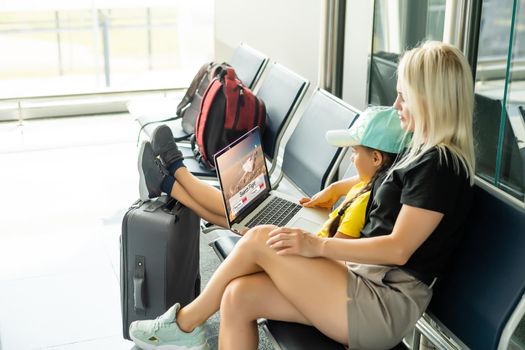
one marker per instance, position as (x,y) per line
(437,86)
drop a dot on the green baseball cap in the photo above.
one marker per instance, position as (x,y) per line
(376,127)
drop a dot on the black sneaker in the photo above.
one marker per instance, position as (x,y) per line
(151,173)
(164,145)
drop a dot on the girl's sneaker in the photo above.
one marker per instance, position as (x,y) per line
(151,173)
(164,145)
(164,333)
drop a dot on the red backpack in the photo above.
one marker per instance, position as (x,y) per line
(189,107)
(228,110)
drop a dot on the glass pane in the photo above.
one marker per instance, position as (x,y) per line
(160,44)
(127,46)
(398,25)
(165,45)
(512,173)
(76,58)
(495,32)
(22,34)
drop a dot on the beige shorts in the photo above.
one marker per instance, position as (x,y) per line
(384,304)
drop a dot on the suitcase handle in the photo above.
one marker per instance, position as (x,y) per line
(139,283)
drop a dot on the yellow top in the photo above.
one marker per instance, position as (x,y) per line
(354,218)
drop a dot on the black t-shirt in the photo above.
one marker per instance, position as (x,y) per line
(434,183)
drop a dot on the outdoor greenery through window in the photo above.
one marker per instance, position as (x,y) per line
(63,47)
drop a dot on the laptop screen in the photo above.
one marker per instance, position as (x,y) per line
(243,176)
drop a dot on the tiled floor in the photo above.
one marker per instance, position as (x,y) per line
(64,186)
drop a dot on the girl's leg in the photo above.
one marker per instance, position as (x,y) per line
(315,287)
(244,301)
(206,195)
(164,146)
(179,193)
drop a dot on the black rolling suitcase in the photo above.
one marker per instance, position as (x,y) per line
(159,259)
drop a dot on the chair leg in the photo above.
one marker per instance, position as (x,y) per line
(416,339)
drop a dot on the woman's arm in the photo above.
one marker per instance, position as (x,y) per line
(413,226)
(327,197)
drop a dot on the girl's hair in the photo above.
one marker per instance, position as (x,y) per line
(436,83)
(388,160)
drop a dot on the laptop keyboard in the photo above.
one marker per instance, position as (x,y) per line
(278,212)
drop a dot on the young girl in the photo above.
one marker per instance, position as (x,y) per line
(376,138)
(374,288)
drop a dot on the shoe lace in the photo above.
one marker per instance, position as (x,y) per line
(158,323)
(161,167)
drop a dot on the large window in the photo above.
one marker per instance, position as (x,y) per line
(63,47)
(499,119)
(500,96)
(398,25)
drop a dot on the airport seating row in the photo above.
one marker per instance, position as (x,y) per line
(479,301)
(309,164)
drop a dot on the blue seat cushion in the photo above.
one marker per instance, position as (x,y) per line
(194,166)
(294,336)
(484,281)
(224,245)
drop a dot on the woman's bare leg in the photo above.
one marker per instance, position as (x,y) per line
(245,300)
(206,195)
(237,264)
(179,193)
(315,287)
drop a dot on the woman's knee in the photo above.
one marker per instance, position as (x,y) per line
(238,298)
(256,236)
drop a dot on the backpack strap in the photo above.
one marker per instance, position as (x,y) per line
(197,154)
(186,100)
(218,70)
(233,90)
(206,103)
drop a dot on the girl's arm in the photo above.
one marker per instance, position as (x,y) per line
(413,226)
(343,186)
(343,236)
(327,197)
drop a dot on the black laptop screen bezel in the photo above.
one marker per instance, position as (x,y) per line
(259,199)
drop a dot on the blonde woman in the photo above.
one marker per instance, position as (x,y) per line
(374,288)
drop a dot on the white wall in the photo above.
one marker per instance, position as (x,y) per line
(287,31)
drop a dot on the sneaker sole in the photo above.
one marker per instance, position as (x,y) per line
(143,189)
(146,346)
(154,137)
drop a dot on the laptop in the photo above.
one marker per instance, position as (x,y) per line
(247,194)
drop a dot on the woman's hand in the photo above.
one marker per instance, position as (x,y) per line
(294,241)
(323,199)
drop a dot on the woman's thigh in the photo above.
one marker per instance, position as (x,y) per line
(316,287)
